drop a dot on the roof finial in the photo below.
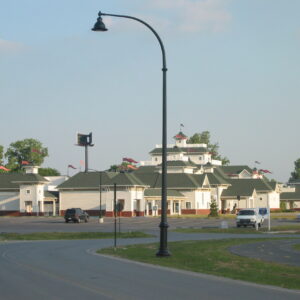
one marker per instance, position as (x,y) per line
(180,127)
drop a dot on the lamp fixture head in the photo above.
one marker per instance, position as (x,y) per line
(99,25)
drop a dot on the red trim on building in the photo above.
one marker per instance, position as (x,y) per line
(195,211)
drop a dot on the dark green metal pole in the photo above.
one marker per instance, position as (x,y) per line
(163,248)
(115,214)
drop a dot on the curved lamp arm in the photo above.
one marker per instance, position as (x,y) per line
(163,250)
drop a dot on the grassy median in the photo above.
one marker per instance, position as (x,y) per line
(213,257)
(69,236)
(248,230)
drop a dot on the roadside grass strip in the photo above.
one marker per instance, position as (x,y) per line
(297,247)
(280,229)
(69,235)
(213,257)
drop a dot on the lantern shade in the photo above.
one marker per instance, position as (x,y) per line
(99,25)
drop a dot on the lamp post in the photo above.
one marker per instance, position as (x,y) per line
(163,249)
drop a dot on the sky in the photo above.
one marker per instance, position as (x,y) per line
(233,69)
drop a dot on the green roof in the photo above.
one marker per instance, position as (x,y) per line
(216,179)
(292,196)
(174,180)
(230,170)
(157,193)
(180,163)
(13,180)
(146,169)
(53,195)
(238,190)
(148,178)
(245,187)
(175,149)
(86,180)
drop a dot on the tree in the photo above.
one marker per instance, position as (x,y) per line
(123,167)
(48,172)
(1,155)
(29,150)
(296,173)
(213,209)
(204,138)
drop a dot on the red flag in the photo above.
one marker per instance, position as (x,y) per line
(3,168)
(132,167)
(129,160)
(36,151)
(25,162)
(265,171)
(70,166)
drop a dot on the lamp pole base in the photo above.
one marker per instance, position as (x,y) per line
(163,249)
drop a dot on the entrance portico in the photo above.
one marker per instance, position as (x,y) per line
(153,202)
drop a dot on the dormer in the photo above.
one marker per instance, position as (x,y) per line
(180,139)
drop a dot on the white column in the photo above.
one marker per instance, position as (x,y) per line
(54,208)
(147,208)
(219,191)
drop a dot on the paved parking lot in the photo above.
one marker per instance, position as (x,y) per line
(57,224)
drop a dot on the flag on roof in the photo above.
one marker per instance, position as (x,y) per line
(181,125)
(130,160)
(265,171)
(132,167)
(24,162)
(71,166)
(36,151)
(4,169)
(180,136)
(257,162)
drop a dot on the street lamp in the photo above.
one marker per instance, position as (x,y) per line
(163,249)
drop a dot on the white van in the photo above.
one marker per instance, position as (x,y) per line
(249,217)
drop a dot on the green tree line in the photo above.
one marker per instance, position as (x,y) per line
(24,152)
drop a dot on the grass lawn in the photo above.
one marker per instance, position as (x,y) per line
(241,230)
(297,247)
(69,235)
(213,257)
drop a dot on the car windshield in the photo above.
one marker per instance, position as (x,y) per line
(70,211)
(246,213)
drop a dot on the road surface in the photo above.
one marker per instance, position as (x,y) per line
(71,270)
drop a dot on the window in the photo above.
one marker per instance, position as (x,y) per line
(188,205)
(27,191)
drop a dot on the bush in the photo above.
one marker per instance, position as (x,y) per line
(213,209)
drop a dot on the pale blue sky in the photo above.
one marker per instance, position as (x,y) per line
(233,70)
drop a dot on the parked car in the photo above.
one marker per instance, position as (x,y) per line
(76,215)
(249,217)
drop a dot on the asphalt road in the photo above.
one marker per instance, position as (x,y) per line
(57,224)
(72,270)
